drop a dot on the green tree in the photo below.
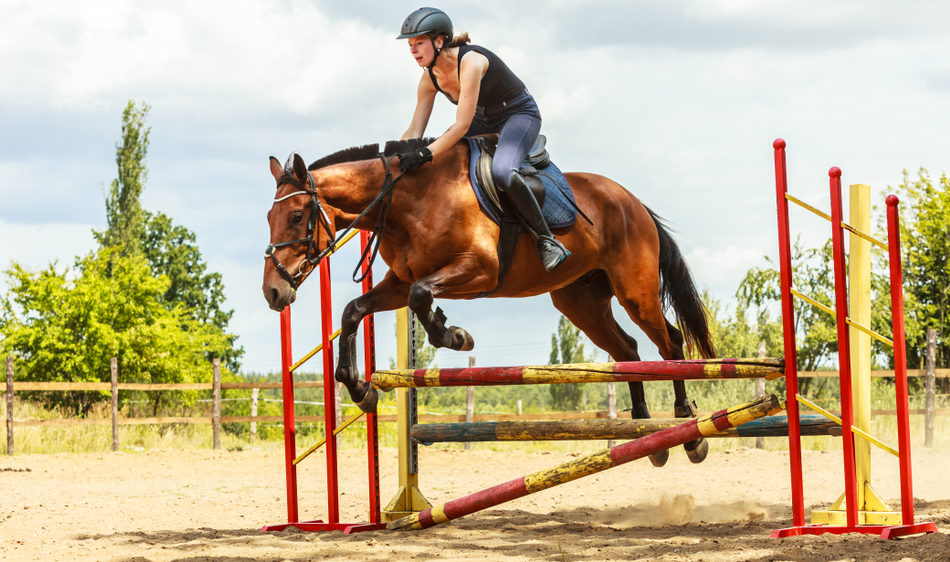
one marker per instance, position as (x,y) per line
(735,336)
(66,325)
(125,220)
(815,332)
(814,328)
(925,248)
(567,347)
(171,250)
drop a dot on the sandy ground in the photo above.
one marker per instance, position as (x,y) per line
(206,505)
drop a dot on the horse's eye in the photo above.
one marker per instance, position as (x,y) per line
(297,218)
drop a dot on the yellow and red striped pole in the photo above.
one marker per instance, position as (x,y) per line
(615,456)
(624,371)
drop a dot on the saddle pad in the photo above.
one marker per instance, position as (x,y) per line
(558,210)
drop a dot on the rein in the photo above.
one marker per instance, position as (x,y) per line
(372,246)
(317,211)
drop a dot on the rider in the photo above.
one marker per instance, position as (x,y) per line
(490,99)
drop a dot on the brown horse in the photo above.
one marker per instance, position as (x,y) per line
(438,243)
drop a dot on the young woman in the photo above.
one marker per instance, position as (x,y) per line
(490,99)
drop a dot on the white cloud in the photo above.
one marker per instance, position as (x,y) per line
(205,55)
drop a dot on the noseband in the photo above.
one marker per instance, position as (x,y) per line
(317,211)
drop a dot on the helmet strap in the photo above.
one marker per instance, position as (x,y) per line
(437,51)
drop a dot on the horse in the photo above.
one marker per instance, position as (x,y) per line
(438,243)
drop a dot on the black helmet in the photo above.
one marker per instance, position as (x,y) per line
(431,21)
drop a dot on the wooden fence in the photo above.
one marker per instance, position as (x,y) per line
(216,419)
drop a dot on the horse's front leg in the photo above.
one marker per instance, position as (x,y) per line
(389,294)
(463,277)
(433,321)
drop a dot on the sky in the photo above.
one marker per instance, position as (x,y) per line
(679,101)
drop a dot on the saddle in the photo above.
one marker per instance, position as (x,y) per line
(538,159)
(543,177)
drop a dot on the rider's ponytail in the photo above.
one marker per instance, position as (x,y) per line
(458,41)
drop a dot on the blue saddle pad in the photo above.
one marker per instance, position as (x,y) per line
(558,210)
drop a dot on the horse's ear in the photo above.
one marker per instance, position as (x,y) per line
(275,169)
(300,168)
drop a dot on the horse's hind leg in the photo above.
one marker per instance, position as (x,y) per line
(586,303)
(683,407)
(637,289)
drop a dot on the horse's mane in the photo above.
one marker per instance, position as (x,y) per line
(369,151)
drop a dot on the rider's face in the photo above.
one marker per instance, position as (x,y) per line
(422,50)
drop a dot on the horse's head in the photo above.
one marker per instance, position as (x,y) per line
(301,232)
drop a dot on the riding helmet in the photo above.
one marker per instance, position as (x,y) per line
(431,21)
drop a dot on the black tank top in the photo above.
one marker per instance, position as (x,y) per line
(499,84)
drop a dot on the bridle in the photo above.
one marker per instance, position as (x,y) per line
(318,212)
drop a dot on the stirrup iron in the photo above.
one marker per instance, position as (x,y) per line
(551,252)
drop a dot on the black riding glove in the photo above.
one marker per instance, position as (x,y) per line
(409,161)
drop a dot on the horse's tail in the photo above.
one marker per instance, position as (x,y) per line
(677,289)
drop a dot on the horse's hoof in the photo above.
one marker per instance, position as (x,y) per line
(369,400)
(461,340)
(659,458)
(697,450)
(686,410)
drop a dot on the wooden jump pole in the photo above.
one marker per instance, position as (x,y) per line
(626,371)
(566,472)
(571,430)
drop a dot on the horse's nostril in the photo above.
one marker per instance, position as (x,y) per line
(273,295)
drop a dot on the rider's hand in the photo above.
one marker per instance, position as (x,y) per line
(409,161)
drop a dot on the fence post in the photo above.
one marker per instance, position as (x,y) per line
(470,402)
(114,375)
(255,393)
(216,398)
(760,391)
(611,407)
(9,404)
(931,369)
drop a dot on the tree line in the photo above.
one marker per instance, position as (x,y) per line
(144,295)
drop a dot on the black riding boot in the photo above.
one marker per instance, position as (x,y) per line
(550,251)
